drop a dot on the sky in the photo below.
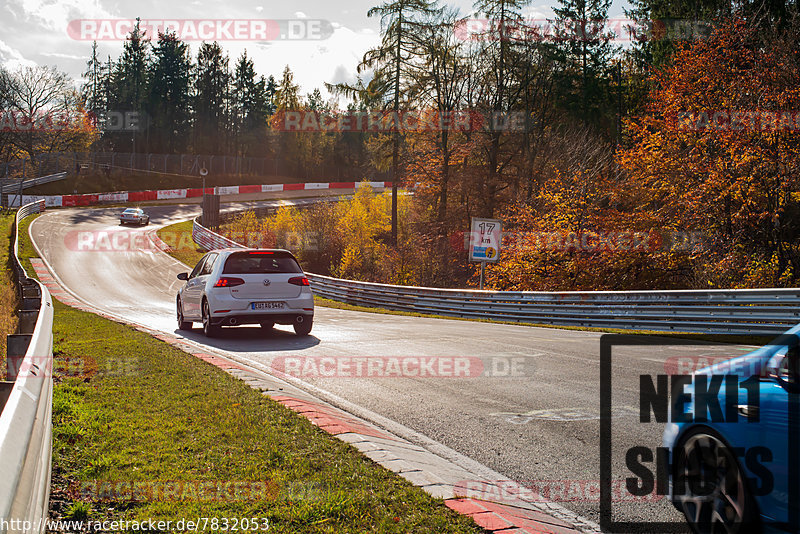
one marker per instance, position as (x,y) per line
(60,32)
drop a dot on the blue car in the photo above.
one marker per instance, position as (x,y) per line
(728,440)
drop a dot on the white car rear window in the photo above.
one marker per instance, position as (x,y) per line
(261,263)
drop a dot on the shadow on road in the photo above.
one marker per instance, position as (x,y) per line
(252,339)
(79,216)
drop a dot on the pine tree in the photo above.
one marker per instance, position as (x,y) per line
(660,24)
(249,105)
(287,92)
(585,51)
(287,98)
(92,91)
(212,82)
(128,87)
(130,77)
(269,95)
(315,101)
(170,95)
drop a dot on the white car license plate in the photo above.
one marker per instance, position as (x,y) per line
(267,305)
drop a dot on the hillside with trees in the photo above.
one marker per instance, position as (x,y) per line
(664,156)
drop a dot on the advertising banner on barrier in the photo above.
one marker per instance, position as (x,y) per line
(172,194)
(163,194)
(228,190)
(113,197)
(49,201)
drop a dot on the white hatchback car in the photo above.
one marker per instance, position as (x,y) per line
(246,286)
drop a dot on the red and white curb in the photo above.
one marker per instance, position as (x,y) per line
(434,474)
(55,201)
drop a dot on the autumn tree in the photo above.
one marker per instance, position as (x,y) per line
(48,112)
(391,60)
(717,151)
(537,67)
(440,87)
(498,96)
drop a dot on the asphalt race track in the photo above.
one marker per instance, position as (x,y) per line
(539,427)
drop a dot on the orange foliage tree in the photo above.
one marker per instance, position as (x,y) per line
(717,151)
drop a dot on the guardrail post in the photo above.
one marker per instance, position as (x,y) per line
(5,391)
(27,321)
(17,346)
(31,291)
(31,303)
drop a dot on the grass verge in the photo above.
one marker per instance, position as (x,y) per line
(190,253)
(143,431)
(26,250)
(179,238)
(130,409)
(8,297)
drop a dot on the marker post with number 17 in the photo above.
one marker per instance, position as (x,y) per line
(484,242)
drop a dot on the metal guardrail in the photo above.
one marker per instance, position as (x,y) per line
(210,240)
(26,399)
(738,311)
(33,182)
(716,311)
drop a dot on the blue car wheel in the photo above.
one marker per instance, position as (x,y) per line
(710,487)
